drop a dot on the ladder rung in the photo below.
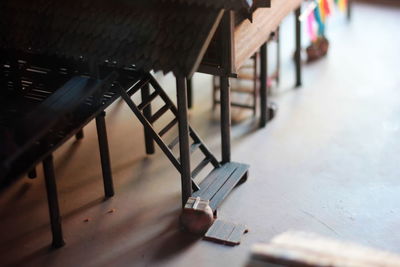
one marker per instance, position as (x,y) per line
(147,101)
(247,76)
(243,90)
(168,127)
(199,167)
(233,104)
(134,88)
(159,113)
(174,142)
(238,105)
(193,148)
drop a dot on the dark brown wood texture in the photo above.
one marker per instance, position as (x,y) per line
(250,36)
(150,34)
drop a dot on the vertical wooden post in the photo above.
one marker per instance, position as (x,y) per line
(263,85)
(225,105)
(52,199)
(149,142)
(104,154)
(183,125)
(189,84)
(297,53)
(278,56)
(349,9)
(255,83)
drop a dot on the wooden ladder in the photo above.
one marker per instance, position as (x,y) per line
(220,181)
(148,121)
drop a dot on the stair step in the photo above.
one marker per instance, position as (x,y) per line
(238,105)
(168,127)
(159,113)
(193,148)
(199,167)
(243,90)
(147,101)
(247,76)
(134,88)
(173,143)
(220,182)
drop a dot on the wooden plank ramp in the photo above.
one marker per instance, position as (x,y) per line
(216,186)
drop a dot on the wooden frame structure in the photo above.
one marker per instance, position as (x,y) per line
(118,32)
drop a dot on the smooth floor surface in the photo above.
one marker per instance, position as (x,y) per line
(328,163)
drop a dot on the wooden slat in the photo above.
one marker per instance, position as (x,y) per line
(239,105)
(199,167)
(168,127)
(228,186)
(173,143)
(211,178)
(159,113)
(249,36)
(135,87)
(307,249)
(225,232)
(214,187)
(147,101)
(236,235)
(217,225)
(193,147)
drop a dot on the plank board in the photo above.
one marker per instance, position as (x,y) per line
(225,232)
(249,36)
(307,249)
(220,182)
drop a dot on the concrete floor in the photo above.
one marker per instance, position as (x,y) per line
(327,163)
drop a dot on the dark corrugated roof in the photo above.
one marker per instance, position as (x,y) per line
(167,35)
(151,34)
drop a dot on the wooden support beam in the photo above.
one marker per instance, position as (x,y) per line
(189,84)
(263,85)
(184,146)
(297,53)
(225,100)
(104,154)
(349,9)
(149,142)
(51,188)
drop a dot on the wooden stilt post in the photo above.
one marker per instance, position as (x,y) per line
(297,53)
(104,154)
(263,85)
(52,199)
(183,124)
(225,100)
(278,56)
(189,84)
(349,9)
(149,142)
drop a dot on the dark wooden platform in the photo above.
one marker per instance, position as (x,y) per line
(220,182)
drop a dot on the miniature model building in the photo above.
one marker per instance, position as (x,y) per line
(117,146)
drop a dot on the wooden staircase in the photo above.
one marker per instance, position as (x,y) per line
(221,180)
